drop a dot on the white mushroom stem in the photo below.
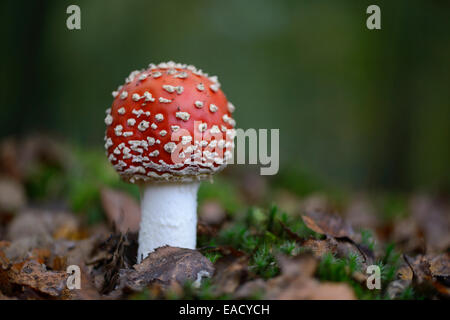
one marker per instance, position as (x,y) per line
(169,216)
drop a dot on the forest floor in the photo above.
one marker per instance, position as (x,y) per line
(285,237)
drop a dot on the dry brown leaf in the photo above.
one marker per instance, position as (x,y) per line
(34,275)
(206,230)
(250,289)
(330,225)
(88,291)
(331,291)
(108,257)
(70,231)
(311,289)
(303,265)
(168,265)
(407,236)
(320,247)
(429,275)
(397,287)
(440,265)
(231,272)
(40,255)
(296,282)
(226,251)
(433,220)
(334,226)
(121,209)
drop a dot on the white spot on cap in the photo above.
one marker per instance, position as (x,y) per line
(221,144)
(143,76)
(131,122)
(163,133)
(108,120)
(213,108)
(212,144)
(214,87)
(231,133)
(115,94)
(154,126)
(123,95)
(215,129)
(143,125)
(202,127)
(231,107)
(183,115)
(186,139)
(228,155)
(170,147)
(126,153)
(179,89)
(200,87)
(136,144)
(181,75)
(128,133)
(140,112)
(175,128)
(198,104)
(214,79)
(159,117)
(151,141)
(132,75)
(227,119)
(164,100)
(108,143)
(121,111)
(154,153)
(148,96)
(118,130)
(169,88)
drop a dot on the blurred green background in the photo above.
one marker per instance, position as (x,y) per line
(355,107)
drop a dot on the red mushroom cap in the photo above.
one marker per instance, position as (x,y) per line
(169,122)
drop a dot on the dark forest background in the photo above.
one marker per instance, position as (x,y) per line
(355,107)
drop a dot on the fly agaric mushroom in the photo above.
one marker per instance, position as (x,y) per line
(169,127)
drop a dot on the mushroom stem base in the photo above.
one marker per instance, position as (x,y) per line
(169,216)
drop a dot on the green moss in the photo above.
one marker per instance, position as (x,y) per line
(409,294)
(45,182)
(368,239)
(341,270)
(263,262)
(213,256)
